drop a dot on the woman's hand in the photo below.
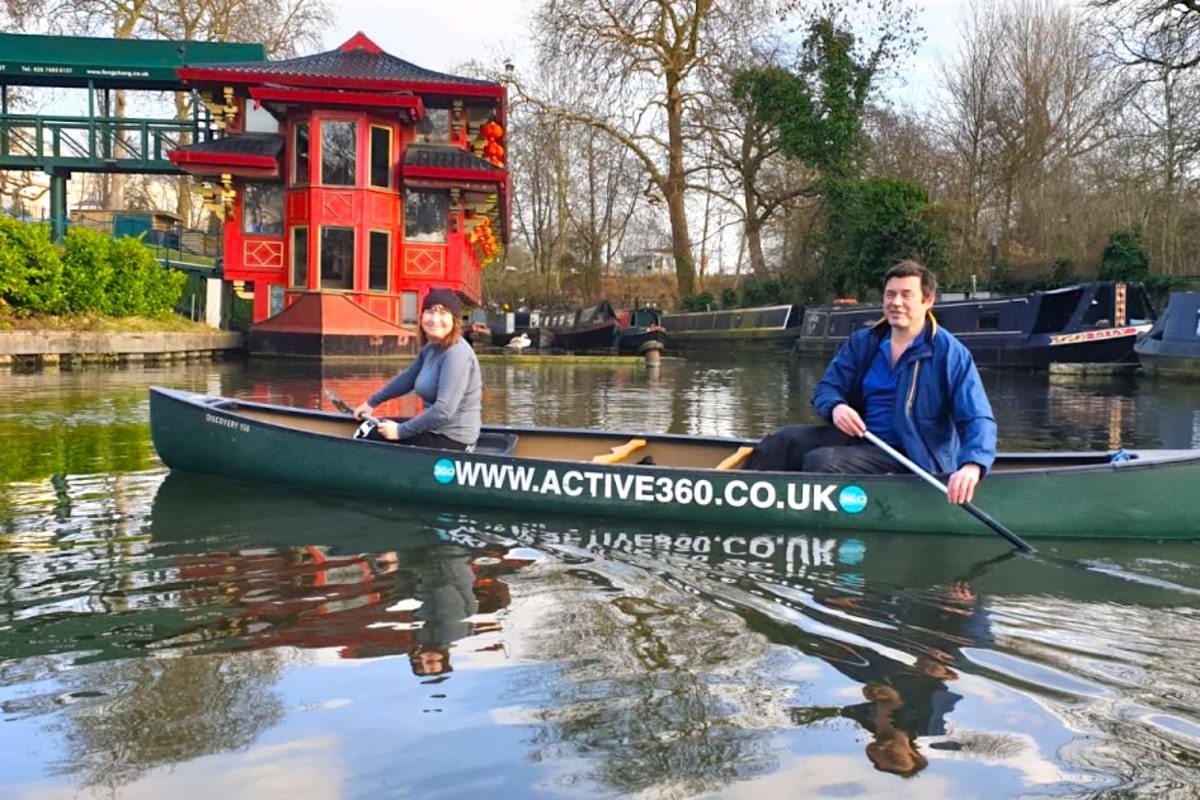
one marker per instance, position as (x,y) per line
(363,411)
(389,429)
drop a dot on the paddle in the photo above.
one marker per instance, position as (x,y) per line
(1016,541)
(369,422)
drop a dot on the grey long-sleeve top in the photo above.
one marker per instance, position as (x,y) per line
(450,384)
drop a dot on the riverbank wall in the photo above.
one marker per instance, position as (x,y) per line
(25,350)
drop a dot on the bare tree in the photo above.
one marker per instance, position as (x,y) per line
(641,56)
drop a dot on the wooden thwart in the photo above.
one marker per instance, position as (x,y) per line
(734,460)
(620,452)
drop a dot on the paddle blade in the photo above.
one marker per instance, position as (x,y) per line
(338,403)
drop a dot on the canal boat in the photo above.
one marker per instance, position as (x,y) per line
(639,329)
(1144,493)
(760,329)
(591,329)
(1092,323)
(1172,347)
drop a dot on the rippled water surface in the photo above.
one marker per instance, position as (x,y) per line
(172,636)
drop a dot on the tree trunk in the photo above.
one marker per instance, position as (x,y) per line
(681,242)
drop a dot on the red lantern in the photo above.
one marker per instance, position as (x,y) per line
(492,130)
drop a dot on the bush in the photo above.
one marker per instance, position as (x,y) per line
(87,270)
(32,279)
(89,273)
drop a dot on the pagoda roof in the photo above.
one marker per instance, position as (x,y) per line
(358,63)
(240,154)
(433,157)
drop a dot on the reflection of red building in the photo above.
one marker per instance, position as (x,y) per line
(350,182)
(366,605)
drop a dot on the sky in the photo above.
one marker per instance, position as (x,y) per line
(443,35)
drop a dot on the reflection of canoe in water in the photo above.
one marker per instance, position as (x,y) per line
(668,477)
(184,513)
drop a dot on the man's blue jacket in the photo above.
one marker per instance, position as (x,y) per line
(943,416)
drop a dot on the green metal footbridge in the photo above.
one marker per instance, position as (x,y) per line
(101,141)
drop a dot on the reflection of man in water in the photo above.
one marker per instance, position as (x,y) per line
(906,701)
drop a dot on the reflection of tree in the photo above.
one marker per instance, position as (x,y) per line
(651,697)
(169,711)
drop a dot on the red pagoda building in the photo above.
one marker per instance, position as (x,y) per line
(350,182)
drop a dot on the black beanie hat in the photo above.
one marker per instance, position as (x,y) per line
(444,298)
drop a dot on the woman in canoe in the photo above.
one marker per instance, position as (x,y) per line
(445,375)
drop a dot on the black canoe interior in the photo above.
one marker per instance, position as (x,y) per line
(616,448)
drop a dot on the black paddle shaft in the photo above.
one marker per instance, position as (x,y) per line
(1016,541)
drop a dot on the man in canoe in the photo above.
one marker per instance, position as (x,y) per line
(446,376)
(906,380)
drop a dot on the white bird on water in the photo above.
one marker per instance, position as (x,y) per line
(519,342)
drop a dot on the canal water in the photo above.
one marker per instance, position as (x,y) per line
(173,636)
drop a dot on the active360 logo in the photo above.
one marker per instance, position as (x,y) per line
(443,471)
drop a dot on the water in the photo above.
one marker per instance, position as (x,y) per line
(185,637)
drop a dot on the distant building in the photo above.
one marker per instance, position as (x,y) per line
(655,262)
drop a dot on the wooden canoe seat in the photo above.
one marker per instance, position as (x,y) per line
(620,452)
(734,460)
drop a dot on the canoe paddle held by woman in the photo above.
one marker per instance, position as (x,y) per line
(907,381)
(445,375)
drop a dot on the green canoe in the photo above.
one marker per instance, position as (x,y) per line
(1149,494)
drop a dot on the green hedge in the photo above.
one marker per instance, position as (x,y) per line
(89,273)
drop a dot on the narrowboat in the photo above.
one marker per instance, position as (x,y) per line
(1092,323)
(669,477)
(639,329)
(762,329)
(1172,347)
(506,325)
(591,329)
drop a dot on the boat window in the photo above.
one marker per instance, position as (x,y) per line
(1055,310)
(1100,311)
(988,321)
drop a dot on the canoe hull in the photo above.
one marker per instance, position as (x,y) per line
(217,436)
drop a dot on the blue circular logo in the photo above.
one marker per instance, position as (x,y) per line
(851,551)
(852,499)
(443,471)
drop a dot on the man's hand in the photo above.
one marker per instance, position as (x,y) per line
(961,486)
(847,420)
(363,411)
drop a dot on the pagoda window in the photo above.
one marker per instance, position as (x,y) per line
(339,152)
(381,157)
(408,308)
(435,127)
(300,154)
(379,261)
(337,258)
(425,213)
(262,209)
(300,257)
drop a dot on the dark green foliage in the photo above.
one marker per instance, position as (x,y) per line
(1124,259)
(90,273)
(818,108)
(729,297)
(698,302)
(873,224)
